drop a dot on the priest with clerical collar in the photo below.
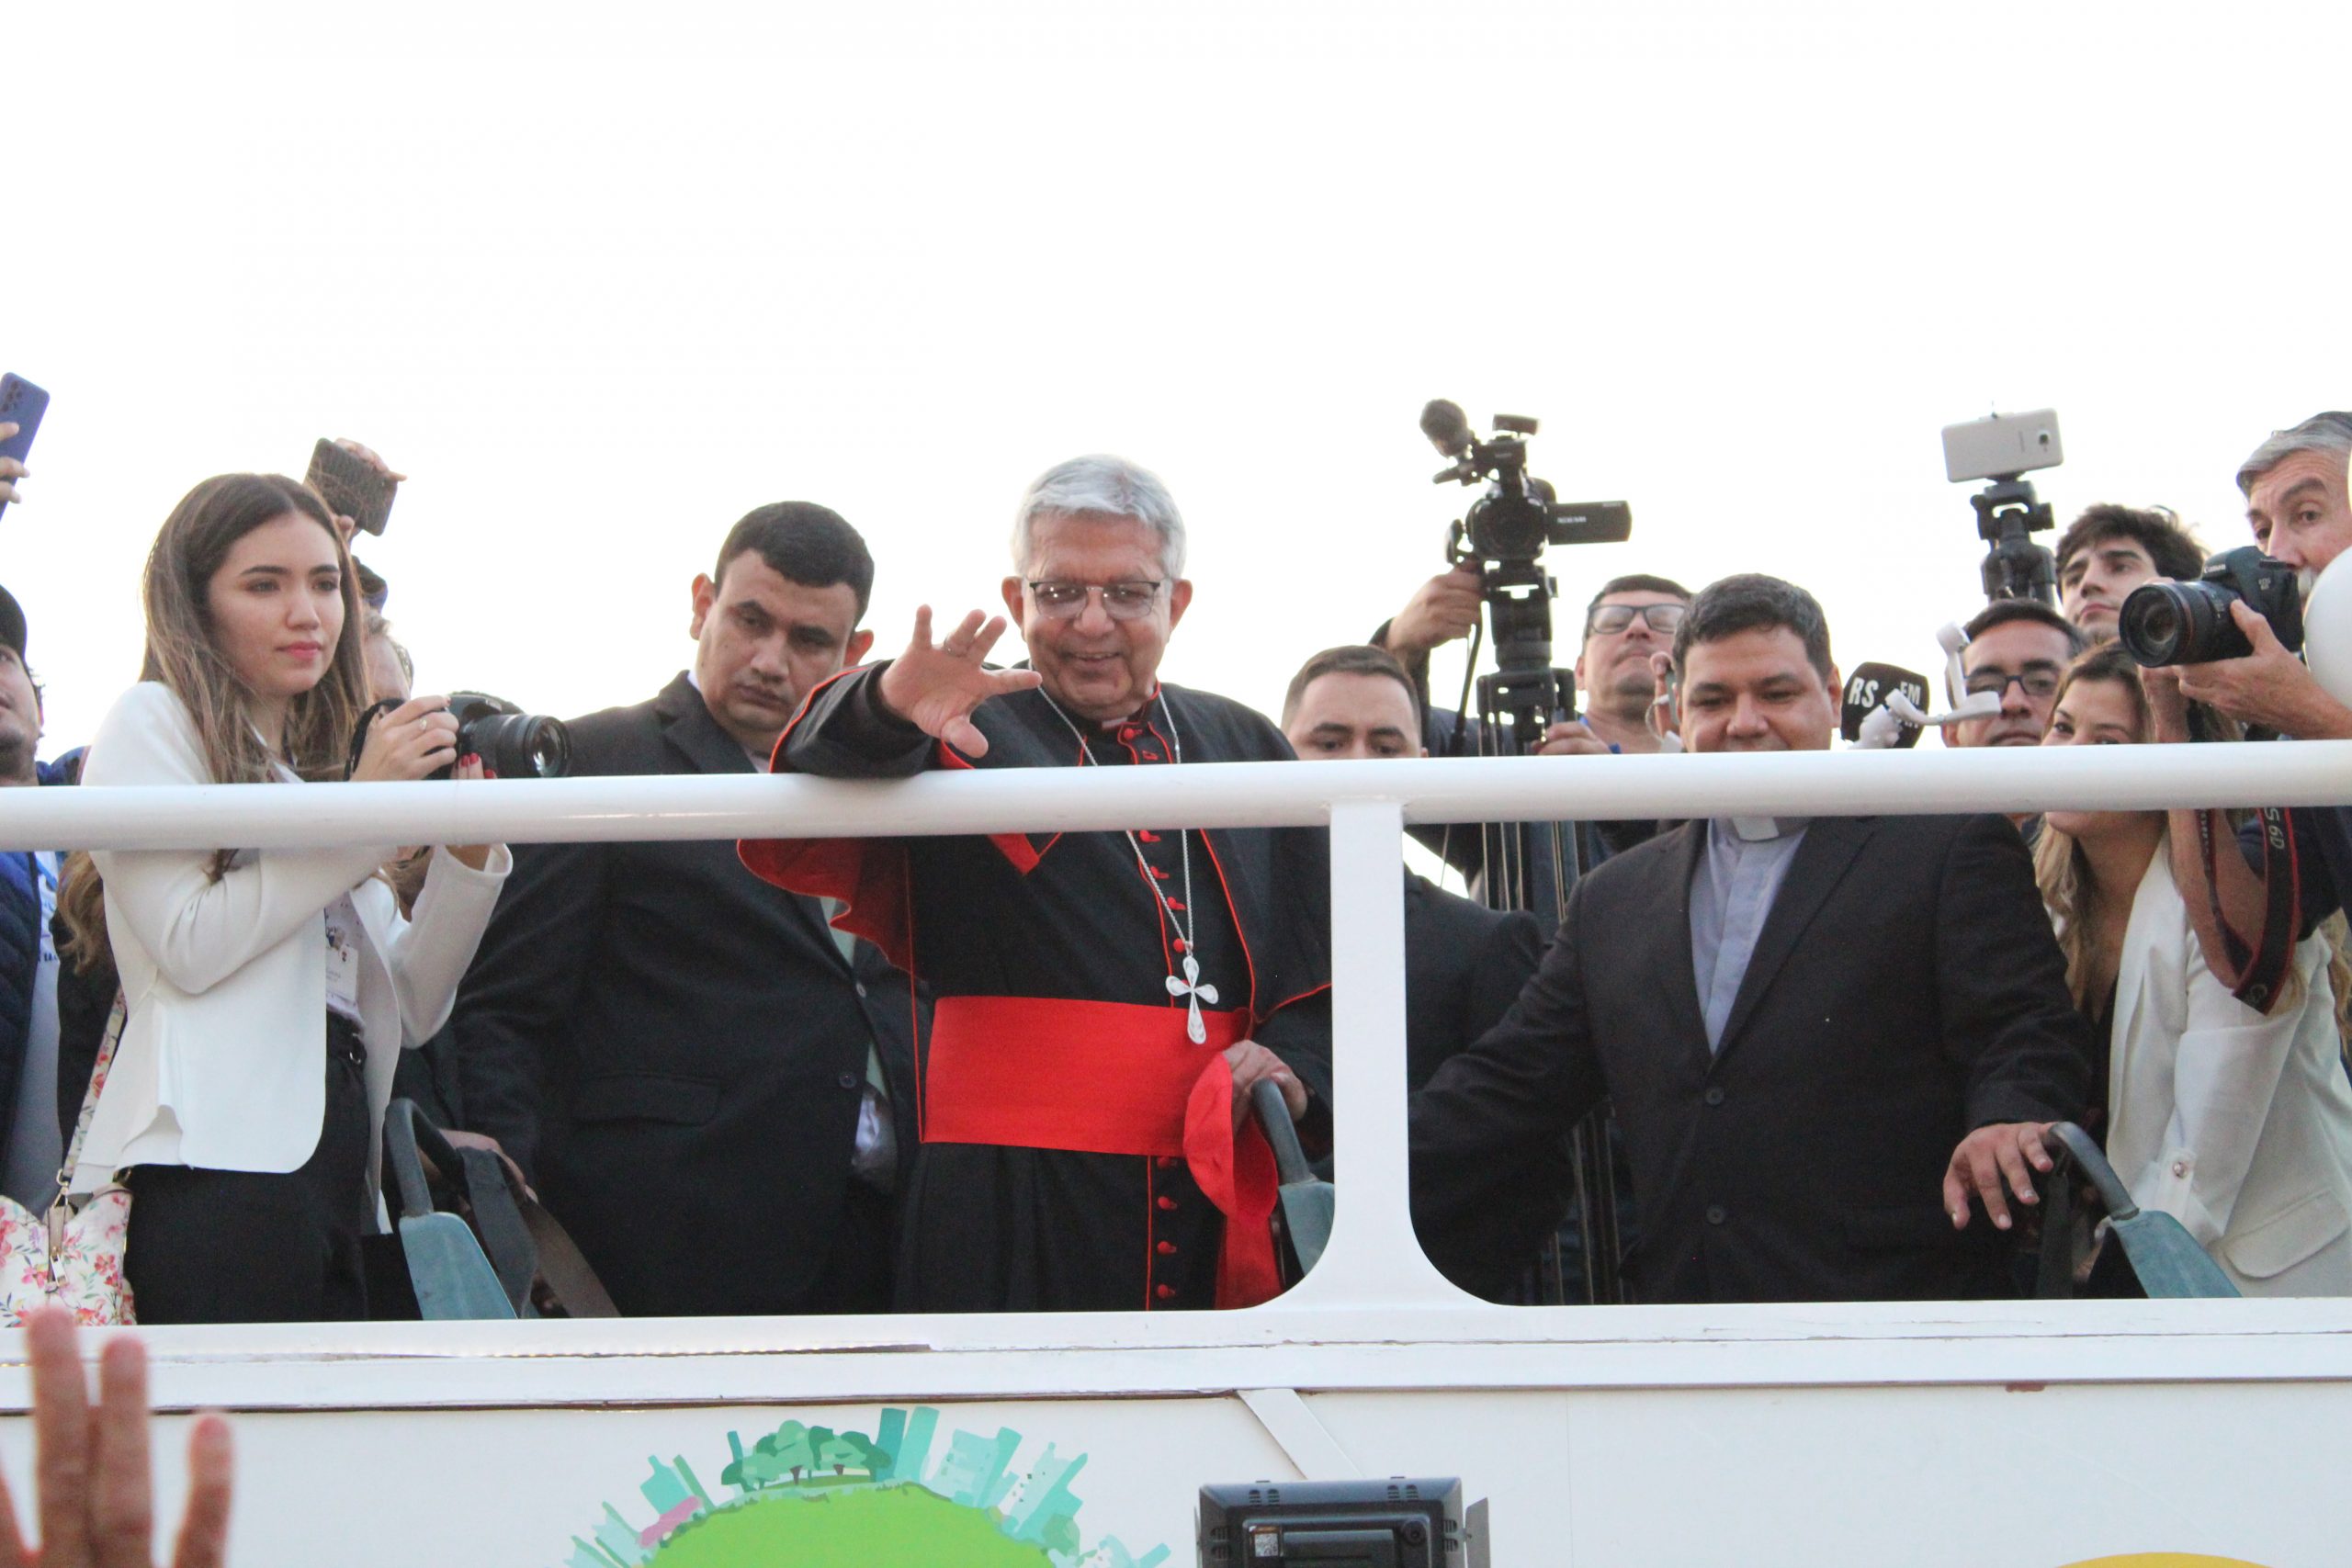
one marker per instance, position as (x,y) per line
(1105,1001)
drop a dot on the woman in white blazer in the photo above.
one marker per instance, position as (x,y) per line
(268,991)
(2236,1122)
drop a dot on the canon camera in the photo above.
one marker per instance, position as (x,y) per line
(2190,623)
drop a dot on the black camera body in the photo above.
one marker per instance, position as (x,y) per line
(1517,515)
(512,744)
(2190,623)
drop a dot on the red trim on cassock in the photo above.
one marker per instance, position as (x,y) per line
(1109,1078)
(868,876)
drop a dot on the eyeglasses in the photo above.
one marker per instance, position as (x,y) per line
(1611,619)
(1060,601)
(2040,684)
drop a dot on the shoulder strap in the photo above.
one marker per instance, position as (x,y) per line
(120,1010)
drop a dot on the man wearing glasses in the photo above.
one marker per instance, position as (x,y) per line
(2018,649)
(1105,1001)
(1628,627)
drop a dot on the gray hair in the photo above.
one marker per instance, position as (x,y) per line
(2329,432)
(1101,485)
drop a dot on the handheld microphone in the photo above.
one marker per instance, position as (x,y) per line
(1446,425)
(1883,705)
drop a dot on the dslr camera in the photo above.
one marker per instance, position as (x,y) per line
(2190,623)
(512,744)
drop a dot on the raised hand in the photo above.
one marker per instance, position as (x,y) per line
(10,469)
(935,687)
(94,1492)
(1443,608)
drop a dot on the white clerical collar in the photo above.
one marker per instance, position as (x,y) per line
(1141,715)
(1757,830)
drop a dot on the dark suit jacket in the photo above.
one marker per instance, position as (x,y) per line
(674,1049)
(1905,991)
(1464,964)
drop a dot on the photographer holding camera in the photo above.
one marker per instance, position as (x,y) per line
(2295,485)
(268,991)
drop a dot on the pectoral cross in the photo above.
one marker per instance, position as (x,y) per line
(1191,987)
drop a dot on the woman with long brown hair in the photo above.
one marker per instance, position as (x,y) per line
(2237,1123)
(267,991)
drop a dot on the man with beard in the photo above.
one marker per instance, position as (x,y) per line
(1808,1027)
(1105,1001)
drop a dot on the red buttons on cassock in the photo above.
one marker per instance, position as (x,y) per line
(1127,733)
(1165,1292)
(1160,873)
(1167,1249)
(1165,1201)
(1147,836)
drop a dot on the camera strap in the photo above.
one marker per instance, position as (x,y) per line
(2262,967)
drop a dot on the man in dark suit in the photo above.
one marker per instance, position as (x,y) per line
(699,1075)
(1464,964)
(1809,1028)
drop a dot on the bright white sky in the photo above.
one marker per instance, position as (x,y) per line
(602,279)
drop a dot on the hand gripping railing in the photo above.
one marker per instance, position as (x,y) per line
(1373,1259)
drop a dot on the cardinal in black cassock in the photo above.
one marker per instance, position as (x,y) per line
(1103,1000)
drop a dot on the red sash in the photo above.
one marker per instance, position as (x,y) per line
(1109,1078)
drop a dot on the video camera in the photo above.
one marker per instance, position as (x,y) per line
(2004,447)
(1504,533)
(1517,515)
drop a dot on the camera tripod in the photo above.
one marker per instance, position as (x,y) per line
(1530,862)
(2008,515)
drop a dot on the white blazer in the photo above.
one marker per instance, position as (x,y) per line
(222,1059)
(2237,1124)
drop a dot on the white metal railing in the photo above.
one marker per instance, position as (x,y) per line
(1228,795)
(1373,1261)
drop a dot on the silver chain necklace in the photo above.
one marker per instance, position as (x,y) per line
(1190,986)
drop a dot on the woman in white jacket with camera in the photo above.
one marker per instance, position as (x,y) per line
(268,991)
(2236,1122)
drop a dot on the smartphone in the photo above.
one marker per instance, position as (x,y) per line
(21,404)
(352,486)
(2002,447)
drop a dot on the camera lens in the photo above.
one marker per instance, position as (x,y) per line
(2180,622)
(520,745)
(2153,622)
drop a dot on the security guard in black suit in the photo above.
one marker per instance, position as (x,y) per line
(701,1078)
(1464,964)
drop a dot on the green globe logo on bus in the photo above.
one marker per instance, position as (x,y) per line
(815,1498)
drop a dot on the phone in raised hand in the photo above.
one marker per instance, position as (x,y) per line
(352,486)
(21,404)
